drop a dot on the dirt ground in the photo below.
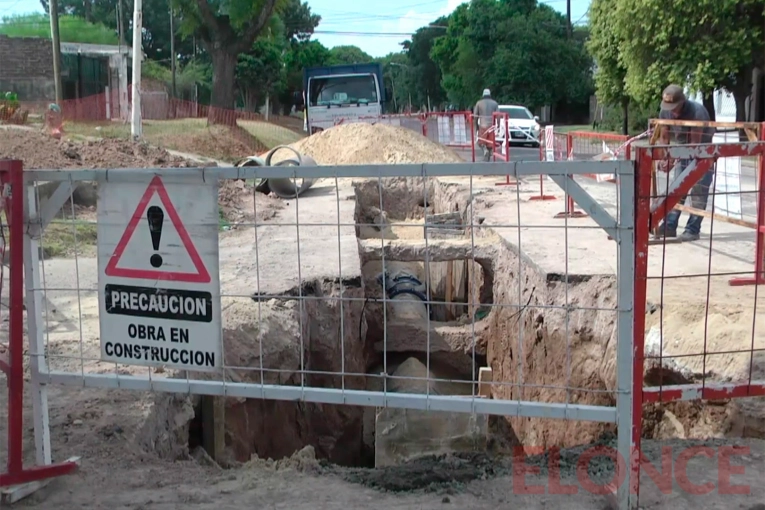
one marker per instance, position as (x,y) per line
(105,427)
(38,150)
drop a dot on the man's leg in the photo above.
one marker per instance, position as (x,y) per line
(699,197)
(668,227)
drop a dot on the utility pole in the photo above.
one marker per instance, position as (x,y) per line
(120,28)
(135,117)
(172,49)
(122,70)
(56,39)
(568,18)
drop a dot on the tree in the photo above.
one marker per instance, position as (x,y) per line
(301,54)
(445,52)
(425,73)
(348,55)
(397,78)
(605,47)
(703,44)
(259,72)
(156,24)
(520,50)
(299,22)
(225,29)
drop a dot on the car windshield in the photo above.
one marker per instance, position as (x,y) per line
(517,113)
(339,90)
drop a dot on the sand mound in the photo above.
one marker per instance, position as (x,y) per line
(39,150)
(358,144)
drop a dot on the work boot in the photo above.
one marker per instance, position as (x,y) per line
(663,232)
(687,237)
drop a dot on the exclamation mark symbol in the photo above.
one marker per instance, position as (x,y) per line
(156,216)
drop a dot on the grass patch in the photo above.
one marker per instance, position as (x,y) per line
(269,134)
(152,129)
(58,240)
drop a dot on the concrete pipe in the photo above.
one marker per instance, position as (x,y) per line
(407,294)
(289,187)
(283,188)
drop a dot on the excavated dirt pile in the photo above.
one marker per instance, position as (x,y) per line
(38,150)
(359,144)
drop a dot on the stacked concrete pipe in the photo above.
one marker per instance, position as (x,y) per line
(283,187)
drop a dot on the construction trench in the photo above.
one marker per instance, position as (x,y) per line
(521,342)
(492,271)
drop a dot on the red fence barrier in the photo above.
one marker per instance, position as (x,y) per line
(154,106)
(12,184)
(697,340)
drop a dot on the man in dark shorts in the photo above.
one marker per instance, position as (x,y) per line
(674,105)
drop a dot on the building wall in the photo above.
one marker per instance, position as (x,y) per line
(26,67)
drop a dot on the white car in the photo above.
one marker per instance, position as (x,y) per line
(524,127)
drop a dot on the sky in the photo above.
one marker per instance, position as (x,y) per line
(378,30)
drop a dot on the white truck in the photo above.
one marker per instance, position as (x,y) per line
(341,94)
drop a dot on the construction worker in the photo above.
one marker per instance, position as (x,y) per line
(483,111)
(675,106)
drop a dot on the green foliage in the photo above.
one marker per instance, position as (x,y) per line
(397,77)
(605,47)
(235,22)
(348,55)
(301,54)
(260,72)
(9,99)
(519,50)
(638,116)
(186,77)
(701,43)
(71,29)
(156,24)
(298,20)
(424,75)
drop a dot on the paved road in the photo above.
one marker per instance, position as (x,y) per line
(516,154)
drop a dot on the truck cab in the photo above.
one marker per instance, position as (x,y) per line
(341,94)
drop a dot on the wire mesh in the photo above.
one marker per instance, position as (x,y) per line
(703,324)
(407,294)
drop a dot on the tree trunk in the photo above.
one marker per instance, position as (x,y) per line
(741,90)
(709,104)
(625,116)
(223,95)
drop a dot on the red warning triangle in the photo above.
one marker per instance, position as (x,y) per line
(200,276)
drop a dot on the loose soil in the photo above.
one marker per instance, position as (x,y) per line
(359,144)
(39,151)
(226,143)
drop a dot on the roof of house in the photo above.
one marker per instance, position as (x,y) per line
(95,50)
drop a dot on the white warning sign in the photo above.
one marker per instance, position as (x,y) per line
(159,289)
